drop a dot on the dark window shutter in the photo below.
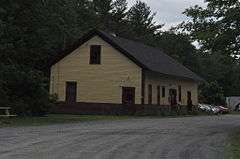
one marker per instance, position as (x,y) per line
(179,93)
(158,95)
(163,91)
(150,94)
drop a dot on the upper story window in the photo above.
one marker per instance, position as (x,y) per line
(95,54)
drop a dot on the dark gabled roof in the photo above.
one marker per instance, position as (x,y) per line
(147,57)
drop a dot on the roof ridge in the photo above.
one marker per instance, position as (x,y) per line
(157,49)
(152,47)
(156,60)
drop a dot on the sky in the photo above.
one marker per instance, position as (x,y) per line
(169,12)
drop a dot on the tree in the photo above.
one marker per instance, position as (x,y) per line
(212,93)
(141,22)
(180,48)
(217,27)
(24,91)
(102,10)
(119,13)
(119,10)
(224,70)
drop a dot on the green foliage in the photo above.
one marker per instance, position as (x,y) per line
(223,69)
(212,93)
(180,48)
(24,90)
(233,146)
(141,22)
(216,27)
(32,32)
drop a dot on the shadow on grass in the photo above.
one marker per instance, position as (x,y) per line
(54,119)
(233,146)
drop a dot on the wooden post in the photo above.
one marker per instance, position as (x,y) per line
(7,112)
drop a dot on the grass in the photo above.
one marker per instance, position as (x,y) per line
(233,146)
(54,119)
(235,113)
(64,119)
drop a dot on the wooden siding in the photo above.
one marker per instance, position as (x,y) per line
(96,83)
(170,83)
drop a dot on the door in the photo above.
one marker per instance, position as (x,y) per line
(189,98)
(173,97)
(71,92)
(128,95)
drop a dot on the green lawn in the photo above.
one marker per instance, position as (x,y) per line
(233,147)
(54,119)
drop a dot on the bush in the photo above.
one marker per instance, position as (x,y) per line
(212,93)
(24,90)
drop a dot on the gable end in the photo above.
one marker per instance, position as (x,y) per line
(87,37)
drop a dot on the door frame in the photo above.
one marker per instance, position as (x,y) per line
(133,90)
(171,95)
(66,92)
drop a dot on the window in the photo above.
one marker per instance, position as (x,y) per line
(150,94)
(179,93)
(163,91)
(158,95)
(189,96)
(95,54)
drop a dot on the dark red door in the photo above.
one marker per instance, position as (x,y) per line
(189,96)
(173,97)
(128,95)
(71,92)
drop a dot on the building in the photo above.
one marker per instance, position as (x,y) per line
(104,70)
(233,102)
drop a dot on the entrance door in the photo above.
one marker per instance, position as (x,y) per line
(189,98)
(173,97)
(128,95)
(71,92)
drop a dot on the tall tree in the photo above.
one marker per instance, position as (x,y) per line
(102,10)
(180,48)
(141,22)
(119,12)
(216,27)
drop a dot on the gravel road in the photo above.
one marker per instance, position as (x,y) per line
(145,138)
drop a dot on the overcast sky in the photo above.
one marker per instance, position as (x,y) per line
(169,12)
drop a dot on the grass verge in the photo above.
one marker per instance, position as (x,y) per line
(233,146)
(54,119)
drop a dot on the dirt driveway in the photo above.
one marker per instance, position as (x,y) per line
(146,138)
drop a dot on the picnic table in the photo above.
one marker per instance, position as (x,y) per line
(7,112)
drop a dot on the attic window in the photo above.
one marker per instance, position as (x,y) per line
(95,54)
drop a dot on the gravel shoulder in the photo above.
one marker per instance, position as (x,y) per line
(167,138)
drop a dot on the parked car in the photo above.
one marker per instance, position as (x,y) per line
(223,110)
(204,107)
(215,110)
(209,108)
(237,108)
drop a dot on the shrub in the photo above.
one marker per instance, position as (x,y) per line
(212,93)
(24,90)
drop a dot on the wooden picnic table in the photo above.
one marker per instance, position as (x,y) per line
(7,112)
